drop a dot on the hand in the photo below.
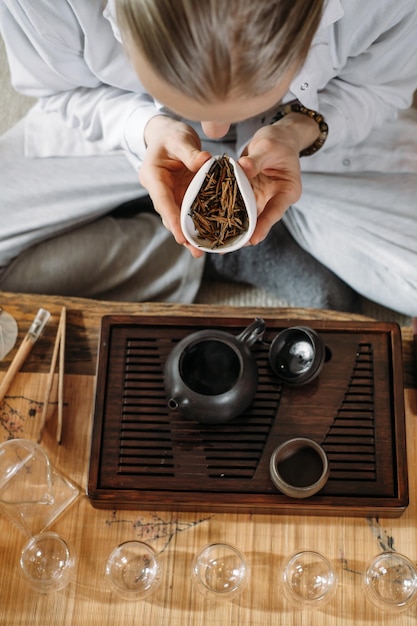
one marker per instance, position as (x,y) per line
(272,165)
(172,158)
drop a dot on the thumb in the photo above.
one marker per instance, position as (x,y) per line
(194,159)
(251,165)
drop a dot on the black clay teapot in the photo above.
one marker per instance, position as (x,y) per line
(211,376)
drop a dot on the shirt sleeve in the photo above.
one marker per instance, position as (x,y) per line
(374,55)
(48,59)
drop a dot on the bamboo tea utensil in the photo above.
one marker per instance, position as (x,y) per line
(218,212)
(59,350)
(25,347)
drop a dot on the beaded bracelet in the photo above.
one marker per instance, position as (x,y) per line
(297,107)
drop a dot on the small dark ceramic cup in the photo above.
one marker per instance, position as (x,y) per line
(299,467)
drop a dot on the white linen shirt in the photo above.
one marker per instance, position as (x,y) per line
(361,70)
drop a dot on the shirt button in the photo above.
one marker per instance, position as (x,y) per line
(346,162)
(304,86)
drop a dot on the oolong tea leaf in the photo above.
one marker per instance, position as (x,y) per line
(218,211)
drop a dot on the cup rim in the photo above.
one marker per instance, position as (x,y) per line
(376,599)
(59,580)
(238,587)
(111,565)
(289,489)
(329,591)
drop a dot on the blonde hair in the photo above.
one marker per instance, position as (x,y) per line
(208,49)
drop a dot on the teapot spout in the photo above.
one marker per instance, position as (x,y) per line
(180,403)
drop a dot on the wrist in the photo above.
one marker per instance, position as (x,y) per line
(156,125)
(305,131)
(309,127)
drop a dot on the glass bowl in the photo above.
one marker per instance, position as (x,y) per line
(308,579)
(390,582)
(220,572)
(133,570)
(47,562)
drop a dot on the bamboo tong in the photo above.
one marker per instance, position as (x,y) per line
(33,334)
(59,350)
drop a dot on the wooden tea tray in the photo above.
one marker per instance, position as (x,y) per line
(147,456)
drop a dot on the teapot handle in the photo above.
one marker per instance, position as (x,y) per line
(253,332)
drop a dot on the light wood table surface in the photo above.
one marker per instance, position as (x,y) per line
(265,540)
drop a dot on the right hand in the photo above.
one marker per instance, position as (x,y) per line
(172,158)
(271,162)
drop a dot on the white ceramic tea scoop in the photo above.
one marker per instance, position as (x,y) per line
(8,333)
(189,219)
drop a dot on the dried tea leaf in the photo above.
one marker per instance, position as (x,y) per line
(218,211)
(8,333)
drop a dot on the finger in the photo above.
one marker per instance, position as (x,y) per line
(251,165)
(195,159)
(273,212)
(262,156)
(165,205)
(186,149)
(196,253)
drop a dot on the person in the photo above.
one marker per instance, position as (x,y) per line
(306,93)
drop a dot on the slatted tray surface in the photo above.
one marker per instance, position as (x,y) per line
(145,455)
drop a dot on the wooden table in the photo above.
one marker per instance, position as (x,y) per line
(265,540)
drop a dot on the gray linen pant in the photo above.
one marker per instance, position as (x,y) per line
(363,227)
(58,234)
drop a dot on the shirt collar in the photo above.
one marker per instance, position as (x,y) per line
(333,11)
(110,14)
(304,84)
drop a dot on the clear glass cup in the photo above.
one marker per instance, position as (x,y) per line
(133,570)
(308,579)
(220,572)
(47,562)
(32,493)
(390,582)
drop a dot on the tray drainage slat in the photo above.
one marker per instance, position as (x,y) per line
(353,428)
